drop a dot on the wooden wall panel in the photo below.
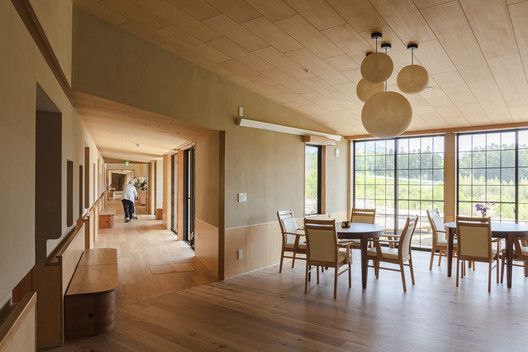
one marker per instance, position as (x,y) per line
(206,245)
(17,332)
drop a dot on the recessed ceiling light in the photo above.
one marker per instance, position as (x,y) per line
(428,89)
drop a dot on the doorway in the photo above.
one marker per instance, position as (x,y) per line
(174,192)
(188,196)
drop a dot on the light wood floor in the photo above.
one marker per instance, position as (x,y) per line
(267,311)
(151,262)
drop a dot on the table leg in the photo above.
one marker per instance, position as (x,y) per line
(509,258)
(364,261)
(450,242)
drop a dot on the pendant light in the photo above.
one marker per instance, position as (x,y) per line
(365,89)
(386,114)
(412,78)
(376,67)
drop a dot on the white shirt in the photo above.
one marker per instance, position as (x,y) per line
(130,193)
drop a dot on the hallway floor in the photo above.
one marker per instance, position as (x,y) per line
(150,260)
(268,311)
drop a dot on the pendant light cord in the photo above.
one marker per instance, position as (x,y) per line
(386,50)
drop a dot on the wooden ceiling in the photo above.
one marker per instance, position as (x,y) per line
(118,129)
(306,54)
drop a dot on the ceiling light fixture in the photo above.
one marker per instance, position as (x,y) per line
(376,67)
(385,114)
(413,78)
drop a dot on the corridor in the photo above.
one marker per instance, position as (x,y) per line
(151,262)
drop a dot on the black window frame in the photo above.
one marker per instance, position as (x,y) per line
(319,178)
(516,203)
(396,226)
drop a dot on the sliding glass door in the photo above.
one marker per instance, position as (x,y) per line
(400,177)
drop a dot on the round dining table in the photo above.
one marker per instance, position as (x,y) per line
(363,233)
(509,231)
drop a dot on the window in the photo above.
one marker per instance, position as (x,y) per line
(312,179)
(420,183)
(487,173)
(400,177)
(374,179)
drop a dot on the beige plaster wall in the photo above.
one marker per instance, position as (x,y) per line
(21,69)
(55,17)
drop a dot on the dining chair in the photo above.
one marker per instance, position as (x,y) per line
(475,244)
(439,237)
(520,253)
(291,237)
(323,251)
(401,255)
(363,216)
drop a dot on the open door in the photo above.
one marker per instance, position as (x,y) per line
(188,196)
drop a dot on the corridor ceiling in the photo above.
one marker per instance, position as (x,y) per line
(122,132)
(306,54)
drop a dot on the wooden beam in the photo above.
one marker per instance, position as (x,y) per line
(501,126)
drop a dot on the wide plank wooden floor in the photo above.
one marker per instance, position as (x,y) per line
(268,311)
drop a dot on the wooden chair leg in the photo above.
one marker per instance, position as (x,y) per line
(403,277)
(281,260)
(503,262)
(439,258)
(473,265)
(293,260)
(349,274)
(318,274)
(412,270)
(376,268)
(433,250)
(496,268)
(335,282)
(489,277)
(306,278)
(457,271)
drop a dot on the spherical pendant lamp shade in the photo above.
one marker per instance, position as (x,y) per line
(386,114)
(412,79)
(365,89)
(376,67)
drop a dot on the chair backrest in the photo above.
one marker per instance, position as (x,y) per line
(288,226)
(404,246)
(474,237)
(436,222)
(364,216)
(321,238)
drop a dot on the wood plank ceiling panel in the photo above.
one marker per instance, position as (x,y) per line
(309,36)
(236,32)
(306,54)
(318,13)
(274,10)
(268,31)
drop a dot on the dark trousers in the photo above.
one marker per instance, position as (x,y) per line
(128,206)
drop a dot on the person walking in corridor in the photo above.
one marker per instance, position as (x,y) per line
(129,197)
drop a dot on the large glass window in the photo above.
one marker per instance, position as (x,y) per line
(312,179)
(374,179)
(420,183)
(400,177)
(487,174)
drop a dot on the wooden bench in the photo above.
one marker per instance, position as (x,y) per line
(106,219)
(64,274)
(89,303)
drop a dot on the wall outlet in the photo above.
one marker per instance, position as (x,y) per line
(240,254)
(242,197)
